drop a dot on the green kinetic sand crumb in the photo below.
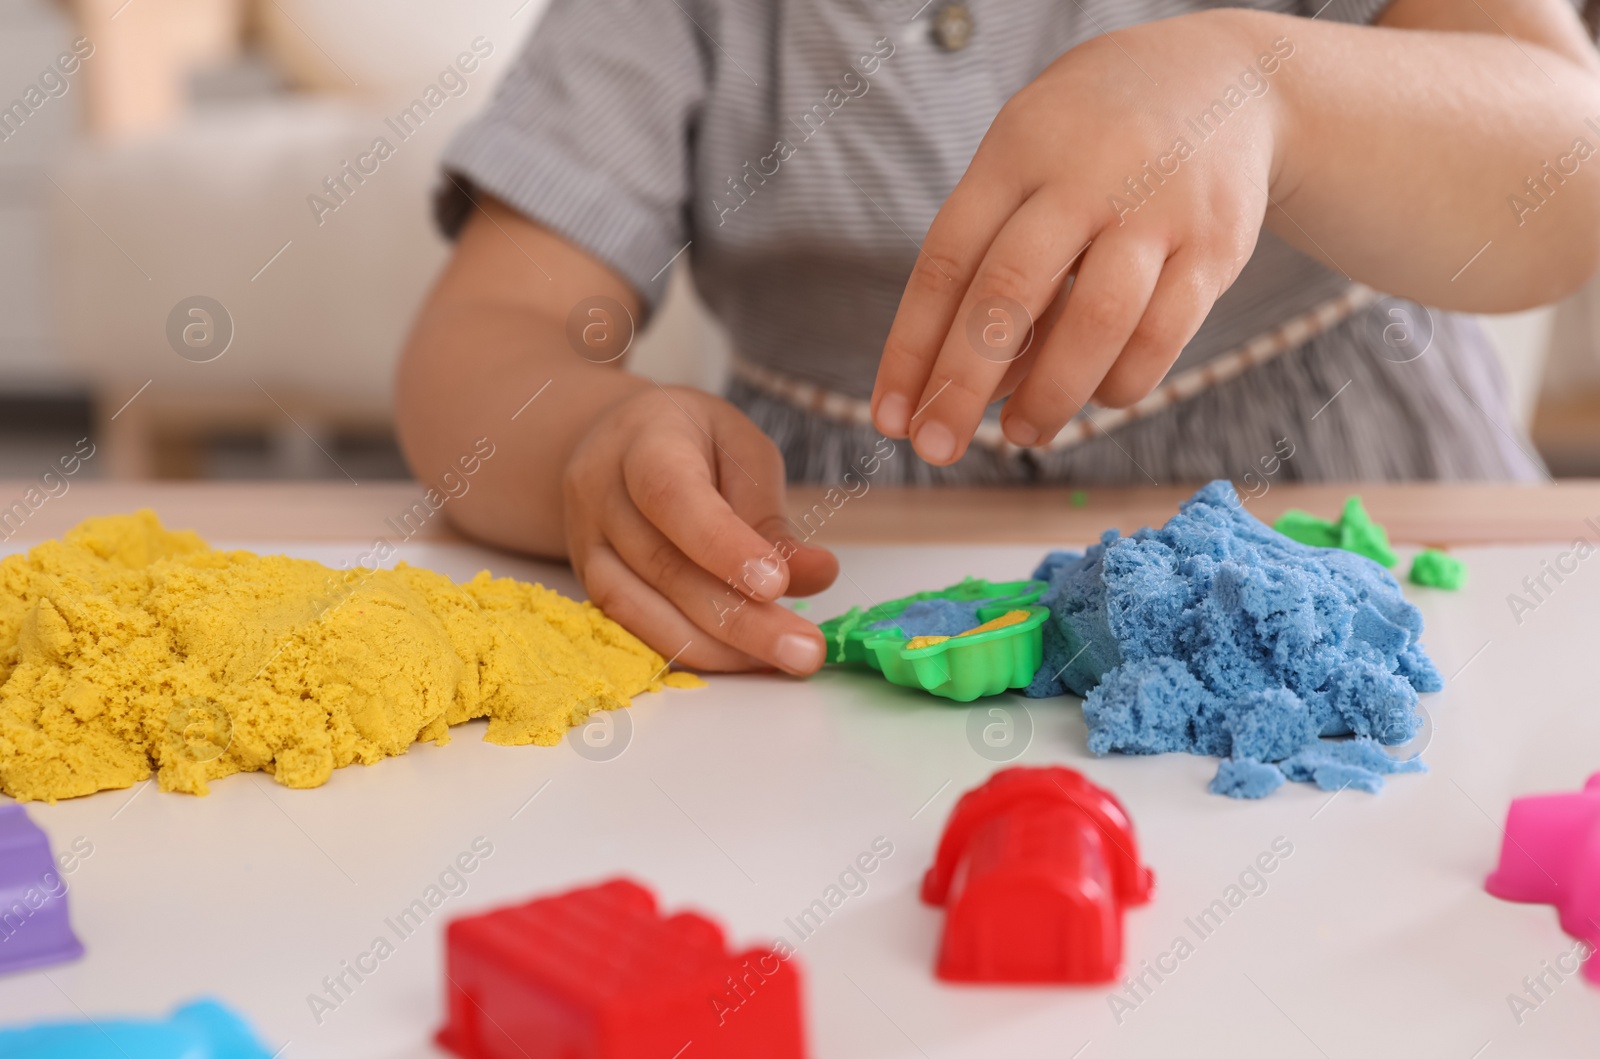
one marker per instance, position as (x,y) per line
(1354,532)
(1080,498)
(1307,528)
(1359,534)
(1436,569)
(800,604)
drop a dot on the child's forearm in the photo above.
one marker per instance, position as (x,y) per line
(1459,168)
(447,398)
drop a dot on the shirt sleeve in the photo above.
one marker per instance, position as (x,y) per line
(1361,12)
(1364,12)
(589,135)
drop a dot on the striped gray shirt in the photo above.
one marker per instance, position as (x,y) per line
(800,150)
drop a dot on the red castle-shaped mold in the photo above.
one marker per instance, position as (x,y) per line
(599,973)
(1034,869)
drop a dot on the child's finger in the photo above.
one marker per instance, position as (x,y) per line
(626,599)
(994,326)
(751,476)
(1104,306)
(811,569)
(766,631)
(1182,298)
(671,485)
(950,255)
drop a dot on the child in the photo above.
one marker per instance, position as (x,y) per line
(1055,201)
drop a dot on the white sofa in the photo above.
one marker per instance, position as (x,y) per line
(217,202)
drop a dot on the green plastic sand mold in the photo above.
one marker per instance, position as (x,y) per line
(963,667)
(968,666)
(847,634)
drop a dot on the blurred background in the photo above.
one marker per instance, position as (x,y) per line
(207,268)
(177,159)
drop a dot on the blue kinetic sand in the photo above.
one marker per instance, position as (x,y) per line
(1358,763)
(934,617)
(202,1029)
(1218,635)
(1244,778)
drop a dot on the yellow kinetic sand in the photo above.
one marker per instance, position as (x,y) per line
(126,648)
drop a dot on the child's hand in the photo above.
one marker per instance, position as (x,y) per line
(1098,151)
(674,515)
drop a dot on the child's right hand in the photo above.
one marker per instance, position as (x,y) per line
(675,525)
(1047,272)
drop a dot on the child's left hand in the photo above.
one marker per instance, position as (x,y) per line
(1096,152)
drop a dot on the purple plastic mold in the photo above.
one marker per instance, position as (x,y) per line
(1551,855)
(34,931)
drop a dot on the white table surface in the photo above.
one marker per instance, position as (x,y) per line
(745,800)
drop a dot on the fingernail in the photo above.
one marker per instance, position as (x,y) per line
(762,577)
(935,443)
(1021,432)
(894,415)
(799,654)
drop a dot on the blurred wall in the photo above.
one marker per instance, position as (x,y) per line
(260,223)
(32,34)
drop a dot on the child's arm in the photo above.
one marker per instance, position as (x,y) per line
(1400,156)
(659,496)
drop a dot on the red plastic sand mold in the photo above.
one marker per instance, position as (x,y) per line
(1034,869)
(600,973)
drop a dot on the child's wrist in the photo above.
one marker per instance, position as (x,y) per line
(1258,53)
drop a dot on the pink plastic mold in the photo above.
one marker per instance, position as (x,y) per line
(1551,855)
